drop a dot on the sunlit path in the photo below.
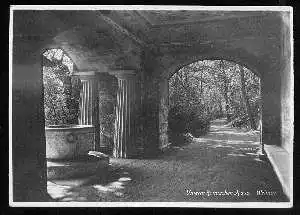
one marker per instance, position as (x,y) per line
(224,165)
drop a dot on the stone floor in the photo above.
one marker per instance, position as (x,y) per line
(223,166)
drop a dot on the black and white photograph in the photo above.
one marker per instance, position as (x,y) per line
(151,106)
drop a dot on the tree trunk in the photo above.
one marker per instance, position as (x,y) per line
(226,100)
(221,108)
(176,90)
(201,86)
(225,93)
(246,100)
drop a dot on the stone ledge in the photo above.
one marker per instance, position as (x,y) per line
(280,160)
(99,155)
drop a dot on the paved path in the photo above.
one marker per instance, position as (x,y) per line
(222,166)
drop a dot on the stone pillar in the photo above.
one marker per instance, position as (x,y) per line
(163,113)
(125,124)
(27,151)
(151,106)
(287,85)
(89,104)
(28,145)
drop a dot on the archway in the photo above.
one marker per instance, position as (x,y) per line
(209,89)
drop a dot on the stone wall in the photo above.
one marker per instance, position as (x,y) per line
(287,88)
(271,106)
(108,86)
(140,140)
(28,139)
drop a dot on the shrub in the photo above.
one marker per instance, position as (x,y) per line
(178,120)
(187,120)
(241,121)
(61,96)
(199,127)
(199,121)
(179,139)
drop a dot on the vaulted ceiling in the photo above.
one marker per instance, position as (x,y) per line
(117,38)
(164,17)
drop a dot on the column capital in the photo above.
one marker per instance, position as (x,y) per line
(88,75)
(123,74)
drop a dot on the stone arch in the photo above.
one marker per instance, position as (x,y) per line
(213,58)
(237,56)
(57,46)
(181,60)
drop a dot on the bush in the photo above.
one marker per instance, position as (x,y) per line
(178,120)
(61,96)
(199,122)
(199,127)
(240,122)
(187,120)
(180,139)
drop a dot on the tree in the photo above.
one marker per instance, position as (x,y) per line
(246,99)
(212,89)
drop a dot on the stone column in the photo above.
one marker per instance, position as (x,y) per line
(151,106)
(125,124)
(89,104)
(163,113)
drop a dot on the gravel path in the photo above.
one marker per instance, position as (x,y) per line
(222,166)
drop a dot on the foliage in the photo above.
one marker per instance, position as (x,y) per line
(180,139)
(178,120)
(61,91)
(199,126)
(211,89)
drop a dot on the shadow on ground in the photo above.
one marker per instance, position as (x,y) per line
(92,188)
(224,165)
